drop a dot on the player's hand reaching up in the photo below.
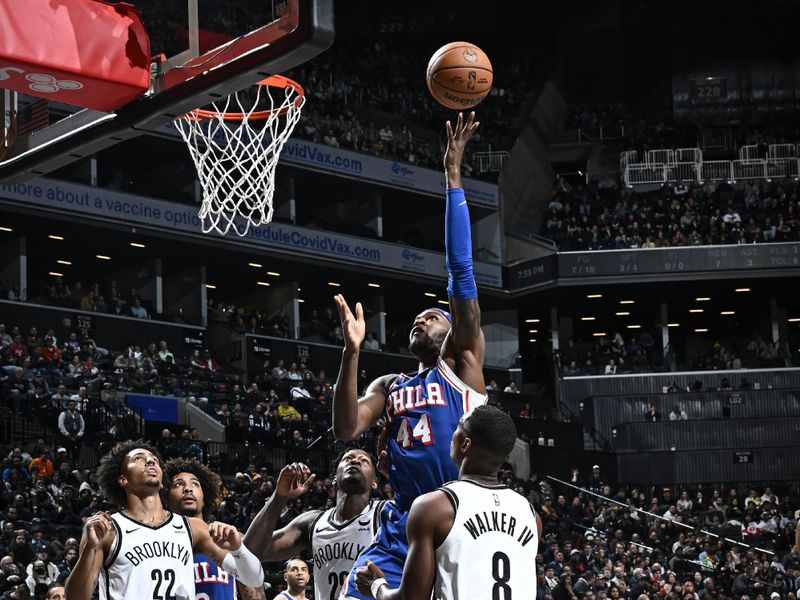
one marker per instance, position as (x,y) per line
(457,139)
(294,480)
(353,326)
(225,536)
(96,528)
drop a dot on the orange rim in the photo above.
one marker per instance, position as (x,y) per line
(278,81)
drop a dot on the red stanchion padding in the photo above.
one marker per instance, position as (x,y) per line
(84,52)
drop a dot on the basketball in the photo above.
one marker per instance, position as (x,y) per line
(459,75)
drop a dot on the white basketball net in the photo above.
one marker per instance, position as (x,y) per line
(236,154)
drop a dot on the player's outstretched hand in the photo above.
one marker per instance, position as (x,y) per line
(225,536)
(353,326)
(294,480)
(457,139)
(365,576)
(96,528)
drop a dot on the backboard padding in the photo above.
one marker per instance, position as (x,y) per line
(304,30)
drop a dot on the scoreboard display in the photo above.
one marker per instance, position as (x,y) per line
(664,261)
(708,89)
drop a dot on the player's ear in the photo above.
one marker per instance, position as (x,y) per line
(334,481)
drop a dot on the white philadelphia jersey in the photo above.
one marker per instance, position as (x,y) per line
(335,547)
(491,550)
(149,562)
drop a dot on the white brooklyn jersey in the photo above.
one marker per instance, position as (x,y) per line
(335,547)
(149,562)
(490,551)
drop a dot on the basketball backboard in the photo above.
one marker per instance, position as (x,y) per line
(202,50)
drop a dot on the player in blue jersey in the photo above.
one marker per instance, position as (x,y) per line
(193,491)
(422,409)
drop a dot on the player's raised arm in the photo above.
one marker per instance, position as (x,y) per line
(261,538)
(223,544)
(352,415)
(98,534)
(465,344)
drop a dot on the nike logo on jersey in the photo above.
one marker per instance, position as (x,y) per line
(132,530)
(463,203)
(178,527)
(367,522)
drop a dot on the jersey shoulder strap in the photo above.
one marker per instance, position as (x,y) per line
(448,491)
(313,526)
(376,516)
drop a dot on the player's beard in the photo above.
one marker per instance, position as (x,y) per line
(425,346)
(190,512)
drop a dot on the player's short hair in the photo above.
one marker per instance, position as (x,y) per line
(209,481)
(53,586)
(111,468)
(291,560)
(492,431)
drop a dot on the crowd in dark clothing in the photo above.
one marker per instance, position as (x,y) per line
(603,216)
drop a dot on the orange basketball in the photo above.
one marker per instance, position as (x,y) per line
(459,75)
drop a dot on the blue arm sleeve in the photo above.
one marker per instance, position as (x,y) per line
(458,247)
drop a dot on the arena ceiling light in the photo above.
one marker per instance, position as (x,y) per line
(740,290)
(594,296)
(8,229)
(374,285)
(587,318)
(300,300)
(703,299)
(64,262)
(696,310)
(673,324)
(252,264)
(622,314)
(532,340)
(102,256)
(701,330)
(795,320)
(430,294)
(445,302)
(627,302)
(634,326)
(262,283)
(137,245)
(600,334)
(211,286)
(56,274)
(56,237)
(334,284)
(273,274)
(531,320)
(533,331)
(728,312)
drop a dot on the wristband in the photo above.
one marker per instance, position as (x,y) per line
(376,585)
